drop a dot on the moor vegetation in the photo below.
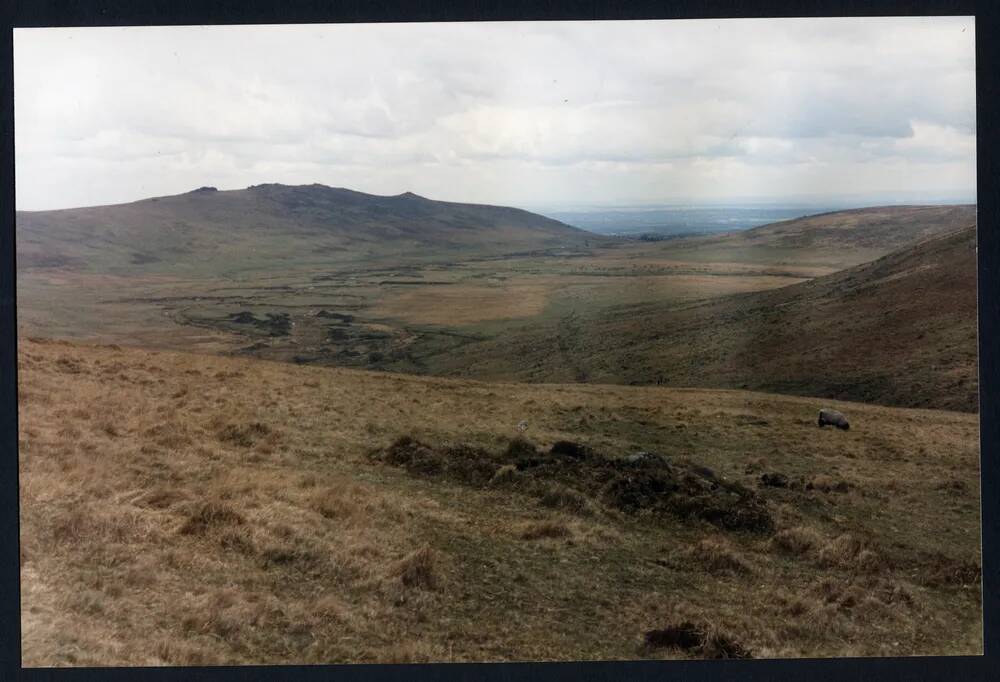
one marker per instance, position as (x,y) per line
(900,330)
(189,509)
(309,425)
(873,305)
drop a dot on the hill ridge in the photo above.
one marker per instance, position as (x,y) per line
(202,229)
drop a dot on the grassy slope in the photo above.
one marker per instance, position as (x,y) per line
(840,239)
(314,553)
(900,331)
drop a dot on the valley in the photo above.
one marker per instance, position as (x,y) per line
(376,427)
(535,301)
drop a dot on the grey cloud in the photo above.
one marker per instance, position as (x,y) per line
(508,113)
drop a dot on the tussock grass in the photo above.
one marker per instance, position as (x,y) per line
(540,530)
(209,516)
(827,484)
(718,554)
(799,540)
(505,475)
(418,569)
(850,550)
(847,550)
(244,435)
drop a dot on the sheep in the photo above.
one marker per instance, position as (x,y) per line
(833,418)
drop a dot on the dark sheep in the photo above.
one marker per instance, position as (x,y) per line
(833,418)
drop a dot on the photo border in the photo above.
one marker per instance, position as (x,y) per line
(25,13)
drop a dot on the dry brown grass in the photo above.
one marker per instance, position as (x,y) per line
(209,516)
(154,534)
(464,303)
(718,554)
(542,530)
(418,569)
(799,540)
(847,550)
(827,484)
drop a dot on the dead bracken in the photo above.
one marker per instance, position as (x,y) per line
(575,477)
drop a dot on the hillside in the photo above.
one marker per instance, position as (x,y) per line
(839,239)
(884,227)
(332,277)
(275,226)
(186,509)
(900,330)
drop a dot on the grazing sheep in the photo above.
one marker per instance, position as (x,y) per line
(522,425)
(833,418)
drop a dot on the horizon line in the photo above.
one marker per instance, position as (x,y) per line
(845,201)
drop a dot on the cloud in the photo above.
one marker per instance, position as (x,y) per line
(519,113)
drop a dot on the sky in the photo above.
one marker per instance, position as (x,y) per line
(540,115)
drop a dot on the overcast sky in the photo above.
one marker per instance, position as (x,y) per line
(532,114)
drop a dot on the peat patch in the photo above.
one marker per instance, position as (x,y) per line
(274,324)
(578,478)
(696,640)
